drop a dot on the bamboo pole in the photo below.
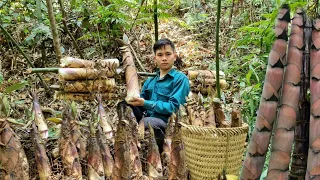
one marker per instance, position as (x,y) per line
(25,56)
(64,21)
(55,36)
(56,70)
(217,49)
(155,16)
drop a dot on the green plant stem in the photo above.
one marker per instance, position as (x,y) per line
(43,70)
(134,21)
(25,56)
(217,49)
(155,16)
(64,22)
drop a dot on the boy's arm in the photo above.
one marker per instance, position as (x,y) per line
(180,91)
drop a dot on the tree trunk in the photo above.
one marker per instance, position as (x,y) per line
(55,36)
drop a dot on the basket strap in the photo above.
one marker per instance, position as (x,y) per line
(227,151)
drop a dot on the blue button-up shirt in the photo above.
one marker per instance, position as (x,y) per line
(164,96)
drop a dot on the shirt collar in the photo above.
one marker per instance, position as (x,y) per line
(171,73)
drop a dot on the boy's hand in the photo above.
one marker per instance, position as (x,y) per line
(136,101)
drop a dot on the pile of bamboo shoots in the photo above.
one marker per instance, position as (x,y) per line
(81,79)
(110,150)
(204,81)
(209,113)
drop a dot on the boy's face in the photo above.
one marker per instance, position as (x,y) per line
(165,57)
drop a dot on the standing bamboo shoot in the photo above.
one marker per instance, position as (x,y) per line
(257,150)
(13,161)
(39,118)
(42,160)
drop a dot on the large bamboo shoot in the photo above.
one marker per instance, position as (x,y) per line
(313,166)
(13,161)
(132,83)
(257,150)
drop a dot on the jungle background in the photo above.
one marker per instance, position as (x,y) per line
(246,36)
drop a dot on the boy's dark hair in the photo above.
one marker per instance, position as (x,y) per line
(161,43)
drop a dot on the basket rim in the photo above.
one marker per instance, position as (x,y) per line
(197,129)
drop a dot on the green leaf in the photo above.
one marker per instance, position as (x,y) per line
(248,77)
(16,86)
(4,106)
(74,109)
(1,78)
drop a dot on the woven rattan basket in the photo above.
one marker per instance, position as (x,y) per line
(209,150)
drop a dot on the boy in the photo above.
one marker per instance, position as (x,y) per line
(161,95)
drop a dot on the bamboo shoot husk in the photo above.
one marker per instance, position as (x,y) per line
(72,74)
(107,158)
(71,62)
(105,85)
(177,166)
(39,117)
(153,157)
(85,97)
(95,164)
(104,121)
(236,120)
(42,160)
(204,74)
(68,150)
(13,161)
(132,83)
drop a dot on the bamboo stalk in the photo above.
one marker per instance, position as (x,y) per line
(63,12)
(217,48)
(54,30)
(56,70)
(25,56)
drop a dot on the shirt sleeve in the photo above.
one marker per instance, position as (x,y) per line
(178,96)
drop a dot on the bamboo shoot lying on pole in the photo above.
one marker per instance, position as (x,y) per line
(204,74)
(85,96)
(104,85)
(70,62)
(71,74)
